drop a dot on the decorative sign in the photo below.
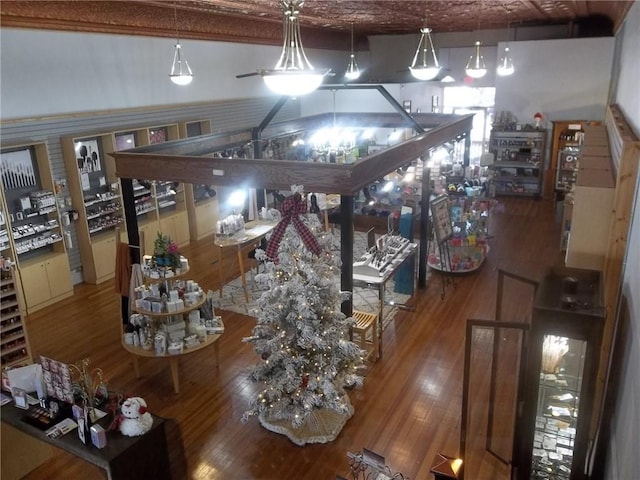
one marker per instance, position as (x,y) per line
(88,155)
(16,168)
(441,218)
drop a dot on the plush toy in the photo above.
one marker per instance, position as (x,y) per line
(134,418)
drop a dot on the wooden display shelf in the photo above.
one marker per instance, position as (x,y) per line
(174,359)
(149,313)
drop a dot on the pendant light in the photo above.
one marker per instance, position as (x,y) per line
(505,66)
(293,75)
(475,66)
(429,67)
(180,71)
(353,72)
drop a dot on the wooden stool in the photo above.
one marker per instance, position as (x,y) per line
(365,324)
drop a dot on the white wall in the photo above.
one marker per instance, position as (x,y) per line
(419,93)
(628,85)
(49,73)
(623,460)
(562,79)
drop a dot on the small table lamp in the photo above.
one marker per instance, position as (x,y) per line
(445,467)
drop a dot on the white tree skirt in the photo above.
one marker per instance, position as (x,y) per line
(322,426)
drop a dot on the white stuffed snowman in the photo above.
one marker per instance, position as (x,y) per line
(135,420)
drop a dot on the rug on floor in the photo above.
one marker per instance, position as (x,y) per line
(364,299)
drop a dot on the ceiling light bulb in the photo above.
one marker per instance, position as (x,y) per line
(293,74)
(505,67)
(475,66)
(352,72)
(180,71)
(429,68)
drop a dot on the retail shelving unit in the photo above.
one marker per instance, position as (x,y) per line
(567,138)
(593,203)
(519,162)
(95,193)
(34,235)
(14,341)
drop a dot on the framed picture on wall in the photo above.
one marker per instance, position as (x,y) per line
(158,134)
(125,140)
(17,168)
(88,155)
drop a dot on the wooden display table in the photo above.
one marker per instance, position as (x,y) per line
(243,241)
(25,447)
(173,358)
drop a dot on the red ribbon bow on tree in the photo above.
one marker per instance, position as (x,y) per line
(292,208)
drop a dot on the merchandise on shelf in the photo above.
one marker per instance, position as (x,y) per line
(468,246)
(171,315)
(14,346)
(518,161)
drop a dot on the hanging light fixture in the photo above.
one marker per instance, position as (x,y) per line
(429,68)
(505,67)
(180,71)
(353,72)
(475,66)
(293,75)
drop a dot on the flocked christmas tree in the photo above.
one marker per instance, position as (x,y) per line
(301,334)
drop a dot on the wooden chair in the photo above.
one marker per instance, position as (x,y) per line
(365,332)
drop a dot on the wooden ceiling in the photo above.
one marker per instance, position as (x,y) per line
(325,23)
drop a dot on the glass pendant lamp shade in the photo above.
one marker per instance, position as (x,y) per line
(293,75)
(353,72)
(475,66)
(425,64)
(505,67)
(180,71)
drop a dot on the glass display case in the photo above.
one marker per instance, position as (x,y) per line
(552,436)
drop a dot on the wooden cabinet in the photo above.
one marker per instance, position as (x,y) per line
(176,226)
(518,162)
(202,210)
(44,282)
(95,192)
(104,253)
(592,209)
(148,233)
(193,128)
(201,203)
(14,341)
(567,139)
(33,229)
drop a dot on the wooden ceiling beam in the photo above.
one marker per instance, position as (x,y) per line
(155,163)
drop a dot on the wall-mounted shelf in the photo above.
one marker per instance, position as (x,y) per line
(32,231)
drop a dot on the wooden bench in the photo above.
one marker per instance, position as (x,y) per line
(366,324)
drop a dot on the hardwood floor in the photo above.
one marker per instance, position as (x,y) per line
(408,410)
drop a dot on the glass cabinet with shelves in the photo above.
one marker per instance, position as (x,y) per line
(518,162)
(552,435)
(567,140)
